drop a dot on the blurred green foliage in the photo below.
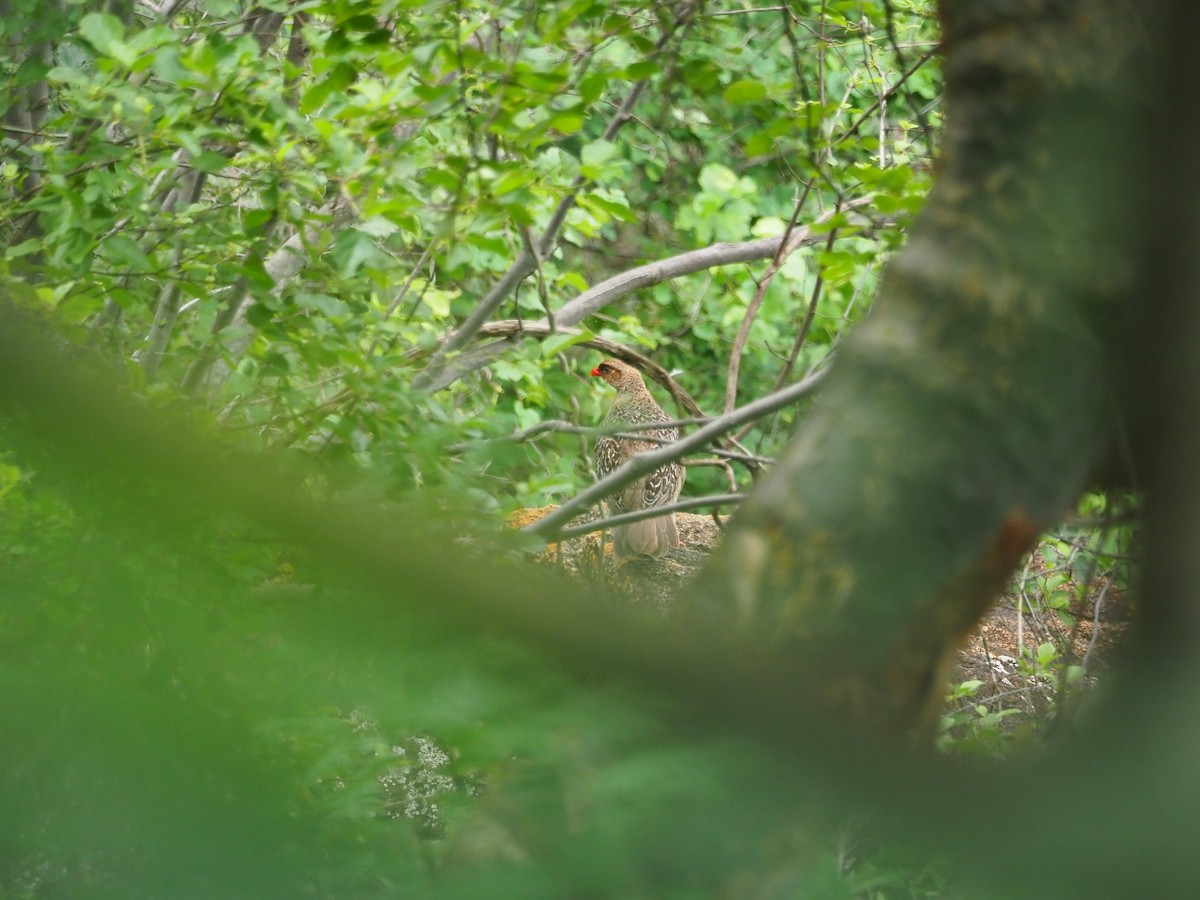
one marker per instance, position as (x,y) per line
(194,707)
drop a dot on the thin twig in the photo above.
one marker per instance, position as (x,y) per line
(561,426)
(1096,622)
(883,98)
(647,461)
(739,342)
(810,314)
(719,463)
(651,513)
(745,12)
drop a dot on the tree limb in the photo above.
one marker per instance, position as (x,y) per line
(646,462)
(442,372)
(653,512)
(877,530)
(167,309)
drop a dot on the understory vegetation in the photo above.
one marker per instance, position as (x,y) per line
(380,244)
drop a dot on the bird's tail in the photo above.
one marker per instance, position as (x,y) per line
(649,537)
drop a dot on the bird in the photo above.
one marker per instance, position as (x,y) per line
(634,405)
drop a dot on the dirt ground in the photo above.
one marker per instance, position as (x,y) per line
(1003,648)
(1044,631)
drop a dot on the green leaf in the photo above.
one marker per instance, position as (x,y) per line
(255,220)
(335,82)
(745,92)
(617,208)
(33,245)
(769,226)
(965,689)
(423,54)
(210,161)
(445,179)
(573,281)
(597,153)
(31,71)
(592,86)
(512,180)
(438,302)
(322,303)
(255,273)
(717,179)
(566,123)
(556,343)
(759,144)
(102,30)
(352,249)
(837,220)
(67,75)
(166,65)
(122,250)
(378,226)
(645,68)
(1046,654)
(506,371)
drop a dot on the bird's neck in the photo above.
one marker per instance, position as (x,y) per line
(632,405)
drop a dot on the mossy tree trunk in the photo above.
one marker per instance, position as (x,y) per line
(980,398)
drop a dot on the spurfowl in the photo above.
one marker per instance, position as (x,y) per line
(634,405)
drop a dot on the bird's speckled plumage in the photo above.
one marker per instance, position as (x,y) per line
(634,405)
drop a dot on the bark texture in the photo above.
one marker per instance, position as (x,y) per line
(973,407)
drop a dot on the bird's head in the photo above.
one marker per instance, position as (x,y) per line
(620,375)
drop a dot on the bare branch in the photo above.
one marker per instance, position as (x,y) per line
(542,328)
(441,373)
(560,426)
(809,317)
(786,246)
(638,514)
(167,309)
(752,460)
(646,462)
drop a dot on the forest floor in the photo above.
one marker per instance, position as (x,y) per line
(1026,653)
(1035,649)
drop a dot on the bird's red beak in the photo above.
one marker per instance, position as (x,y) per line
(596,371)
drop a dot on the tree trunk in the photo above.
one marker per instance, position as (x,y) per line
(973,407)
